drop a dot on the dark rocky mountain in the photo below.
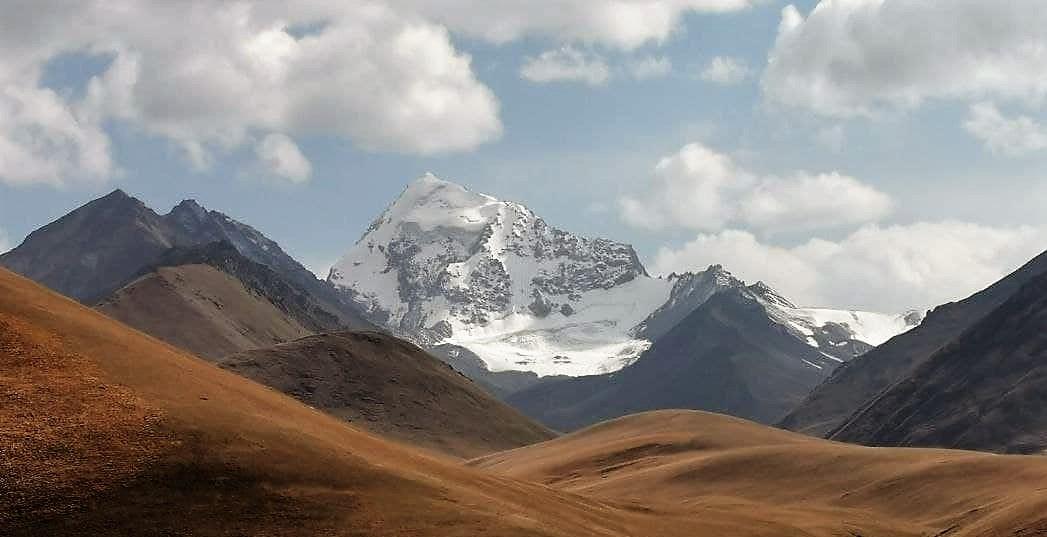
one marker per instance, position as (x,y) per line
(690,290)
(987,390)
(853,385)
(95,249)
(729,355)
(99,247)
(213,301)
(391,387)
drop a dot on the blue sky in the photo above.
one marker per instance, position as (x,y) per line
(937,198)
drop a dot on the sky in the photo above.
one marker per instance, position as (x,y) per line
(873,154)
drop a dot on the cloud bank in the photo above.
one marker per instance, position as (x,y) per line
(624,24)
(736,212)
(228,71)
(701,189)
(863,57)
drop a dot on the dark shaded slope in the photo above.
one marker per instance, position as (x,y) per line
(987,390)
(728,356)
(390,387)
(857,382)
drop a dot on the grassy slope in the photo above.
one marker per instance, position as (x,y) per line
(721,469)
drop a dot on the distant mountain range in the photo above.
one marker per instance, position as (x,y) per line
(491,288)
(570,330)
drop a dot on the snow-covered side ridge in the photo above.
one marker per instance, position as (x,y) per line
(839,334)
(444,264)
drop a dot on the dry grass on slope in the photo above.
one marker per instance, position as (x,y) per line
(390,387)
(157,442)
(711,467)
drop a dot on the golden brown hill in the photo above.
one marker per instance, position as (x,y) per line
(719,470)
(106,431)
(391,387)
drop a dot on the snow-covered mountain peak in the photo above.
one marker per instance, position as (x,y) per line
(445,264)
(432,202)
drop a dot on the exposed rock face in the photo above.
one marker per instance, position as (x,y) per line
(502,280)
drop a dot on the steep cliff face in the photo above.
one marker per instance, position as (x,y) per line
(446,265)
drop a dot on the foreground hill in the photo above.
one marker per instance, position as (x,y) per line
(107,431)
(857,383)
(986,390)
(213,301)
(390,387)
(111,432)
(721,471)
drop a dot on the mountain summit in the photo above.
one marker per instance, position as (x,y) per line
(444,264)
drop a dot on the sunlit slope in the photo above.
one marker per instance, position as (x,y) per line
(717,468)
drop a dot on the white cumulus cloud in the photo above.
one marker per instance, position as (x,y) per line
(281,157)
(1010,136)
(858,57)
(625,24)
(566,64)
(875,268)
(226,71)
(725,70)
(702,189)
(44,139)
